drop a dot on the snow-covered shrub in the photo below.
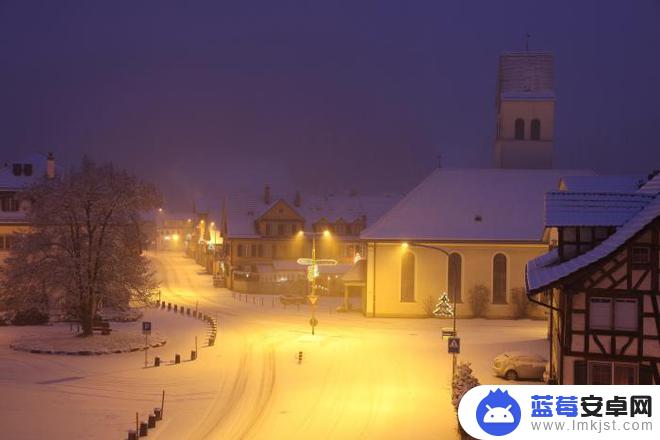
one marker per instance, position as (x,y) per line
(32,316)
(428,304)
(463,381)
(479,300)
(521,304)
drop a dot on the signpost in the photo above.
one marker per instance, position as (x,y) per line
(313,273)
(146,331)
(454,345)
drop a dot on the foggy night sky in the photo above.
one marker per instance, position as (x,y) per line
(216,96)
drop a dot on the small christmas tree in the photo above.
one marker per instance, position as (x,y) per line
(443,309)
(463,381)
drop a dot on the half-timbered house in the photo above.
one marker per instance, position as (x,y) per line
(601,283)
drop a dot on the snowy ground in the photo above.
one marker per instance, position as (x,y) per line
(60,338)
(359,378)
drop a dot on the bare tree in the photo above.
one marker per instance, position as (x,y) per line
(84,249)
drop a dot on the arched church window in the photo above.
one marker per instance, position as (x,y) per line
(536,130)
(408,277)
(520,129)
(499,279)
(454,277)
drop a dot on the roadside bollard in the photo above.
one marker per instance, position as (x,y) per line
(156,361)
(188,311)
(182,310)
(144,429)
(132,435)
(175,310)
(151,423)
(300,356)
(211,342)
(169,306)
(194,313)
(177,358)
(158,414)
(193,355)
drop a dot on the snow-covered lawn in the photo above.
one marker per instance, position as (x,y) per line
(60,338)
(359,377)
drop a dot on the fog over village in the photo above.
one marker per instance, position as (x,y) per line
(288,221)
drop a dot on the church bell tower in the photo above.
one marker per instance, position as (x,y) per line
(525,103)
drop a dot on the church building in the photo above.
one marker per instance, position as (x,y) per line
(469,232)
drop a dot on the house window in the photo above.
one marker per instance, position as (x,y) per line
(269,229)
(454,277)
(641,255)
(613,314)
(408,277)
(27,169)
(520,129)
(499,279)
(535,130)
(610,373)
(280,229)
(260,250)
(253,250)
(600,373)
(273,252)
(239,250)
(17,169)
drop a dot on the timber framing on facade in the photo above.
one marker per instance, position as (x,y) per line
(605,304)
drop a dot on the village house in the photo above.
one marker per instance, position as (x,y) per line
(264,236)
(15,177)
(601,282)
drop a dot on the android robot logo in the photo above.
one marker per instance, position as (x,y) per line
(498,413)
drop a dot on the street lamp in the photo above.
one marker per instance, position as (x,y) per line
(404,247)
(313,271)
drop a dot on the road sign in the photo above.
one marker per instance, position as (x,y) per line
(313,322)
(146,327)
(313,299)
(454,345)
(305,261)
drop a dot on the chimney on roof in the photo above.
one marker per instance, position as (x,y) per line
(50,166)
(297,201)
(267,194)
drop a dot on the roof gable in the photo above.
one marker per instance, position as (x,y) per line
(280,210)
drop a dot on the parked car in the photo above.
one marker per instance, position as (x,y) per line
(514,365)
(292,299)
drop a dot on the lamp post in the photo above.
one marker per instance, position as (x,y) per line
(313,271)
(443,251)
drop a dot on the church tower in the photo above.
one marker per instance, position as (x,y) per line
(525,110)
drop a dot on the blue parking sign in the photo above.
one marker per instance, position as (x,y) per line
(454,345)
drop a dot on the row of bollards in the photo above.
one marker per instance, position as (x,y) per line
(212,322)
(142,427)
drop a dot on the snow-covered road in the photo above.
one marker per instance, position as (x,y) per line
(360,378)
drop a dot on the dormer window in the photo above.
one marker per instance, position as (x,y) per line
(535,130)
(27,169)
(17,169)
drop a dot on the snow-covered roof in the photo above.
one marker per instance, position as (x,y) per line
(472,205)
(546,270)
(242,210)
(526,75)
(602,183)
(652,186)
(10,181)
(357,273)
(564,208)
